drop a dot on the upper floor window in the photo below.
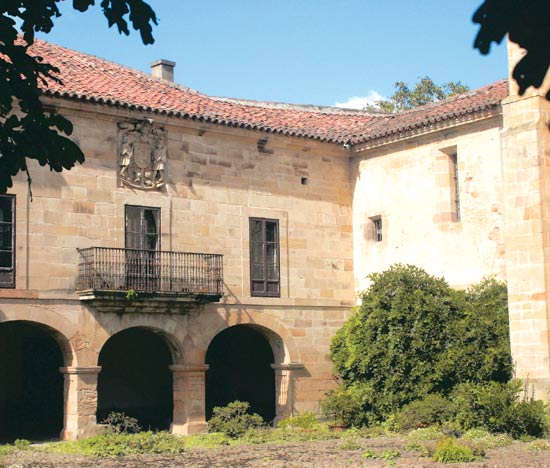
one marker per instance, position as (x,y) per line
(264,257)
(447,178)
(455,189)
(142,227)
(7,241)
(143,235)
(377,228)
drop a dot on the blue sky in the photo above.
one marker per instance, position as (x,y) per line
(319,52)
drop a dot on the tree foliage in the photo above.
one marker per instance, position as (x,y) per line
(413,336)
(424,92)
(527,22)
(28,130)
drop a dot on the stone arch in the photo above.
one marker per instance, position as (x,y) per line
(285,355)
(136,376)
(59,328)
(32,399)
(167,329)
(240,363)
(279,337)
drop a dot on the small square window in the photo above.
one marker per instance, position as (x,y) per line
(377,228)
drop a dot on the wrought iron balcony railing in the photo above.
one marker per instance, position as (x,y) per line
(150,271)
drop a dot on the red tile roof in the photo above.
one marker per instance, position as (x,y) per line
(92,79)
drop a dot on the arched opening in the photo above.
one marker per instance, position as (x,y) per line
(239,360)
(135,378)
(31,388)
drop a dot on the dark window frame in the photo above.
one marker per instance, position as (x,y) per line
(455,186)
(7,274)
(377,229)
(254,282)
(143,270)
(142,208)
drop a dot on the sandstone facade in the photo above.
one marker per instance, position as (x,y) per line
(463,196)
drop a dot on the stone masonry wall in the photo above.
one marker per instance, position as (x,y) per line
(216,179)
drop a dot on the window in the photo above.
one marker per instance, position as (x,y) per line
(142,227)
(7,241)
(142,244)
(447,184)
(264,257)
(455,191)
(377,228)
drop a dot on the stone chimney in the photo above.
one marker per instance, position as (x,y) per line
(163,69)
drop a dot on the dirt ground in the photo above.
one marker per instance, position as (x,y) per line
(321,454)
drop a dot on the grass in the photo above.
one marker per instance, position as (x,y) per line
(472,445)
(427,442)
(539,445)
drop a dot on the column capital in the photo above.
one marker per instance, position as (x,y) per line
(80,370)
(288,366)
(189,367)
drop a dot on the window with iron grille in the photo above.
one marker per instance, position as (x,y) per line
(455,189)
(264,257)
(377,228)
(7,241)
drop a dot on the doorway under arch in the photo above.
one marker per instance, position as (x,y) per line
(239,360)
(31,392)
(135,378)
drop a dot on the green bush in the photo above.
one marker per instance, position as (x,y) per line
(484,404)
(497,408)
(413,336)
(526,418)
(120,423)
(346,406)
(449,450)
(433,409)
(22,444)
(234,419)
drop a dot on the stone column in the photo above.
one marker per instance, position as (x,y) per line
(526,183)
(189,399)
(80,401)
(284,389)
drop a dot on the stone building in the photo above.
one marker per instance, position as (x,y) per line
(208,249)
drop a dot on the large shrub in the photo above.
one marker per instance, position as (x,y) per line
(413,335)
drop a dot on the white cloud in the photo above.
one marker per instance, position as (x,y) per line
(359,102)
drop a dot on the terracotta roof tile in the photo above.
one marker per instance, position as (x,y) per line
(92,79)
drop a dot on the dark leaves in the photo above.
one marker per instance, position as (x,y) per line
(27,129)
(141,16)
(82,5)
(527,22)
(413,335)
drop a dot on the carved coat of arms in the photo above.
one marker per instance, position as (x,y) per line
(141,155)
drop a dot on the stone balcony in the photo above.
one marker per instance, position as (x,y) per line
(132,280)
